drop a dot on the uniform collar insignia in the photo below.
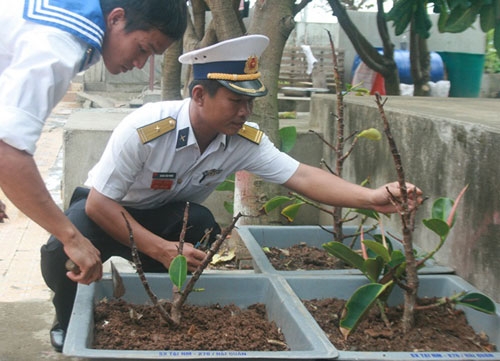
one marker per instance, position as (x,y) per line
(182,137)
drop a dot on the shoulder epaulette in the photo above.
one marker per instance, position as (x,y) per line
(251,133)
(154,130)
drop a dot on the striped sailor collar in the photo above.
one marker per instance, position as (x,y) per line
(83,19)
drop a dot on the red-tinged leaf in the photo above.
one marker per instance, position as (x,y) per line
(451,217)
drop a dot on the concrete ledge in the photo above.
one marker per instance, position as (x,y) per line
(85,136)
(291,103)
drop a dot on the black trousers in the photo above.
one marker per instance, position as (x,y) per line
(165,222)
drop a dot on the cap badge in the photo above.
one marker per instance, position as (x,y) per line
(252,65)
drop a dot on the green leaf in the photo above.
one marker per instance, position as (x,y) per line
(388,241)
(441,208)
(288,115)
(437,226)
(358,305)
(397,258)
(346,254)
(288,137)
(478,302)
(275,202)
(227,185)
(422,21)
(444,13)
(370,133)
(178,271)
(368,213)
(373,267)
(460,18)
(229,207)
(290,212)
(487,17)
(379,249)
(401,15)
(496,38)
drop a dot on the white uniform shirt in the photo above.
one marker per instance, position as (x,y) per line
(170,167)
(37,64)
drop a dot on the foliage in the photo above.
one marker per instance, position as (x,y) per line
(294,202)
(387,268)
(492,58)
(455,16)
(404,11)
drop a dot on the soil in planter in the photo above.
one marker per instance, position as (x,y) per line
(122,326)
(303,257)
(438,329)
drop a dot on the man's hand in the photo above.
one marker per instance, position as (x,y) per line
(382,197)
(193,256)
(3,215)
(87,258)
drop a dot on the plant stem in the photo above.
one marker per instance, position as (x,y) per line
(339,148)
(176,293)
(138,265)
(211,252)
(407,219)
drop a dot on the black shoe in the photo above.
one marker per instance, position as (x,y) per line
(57,335)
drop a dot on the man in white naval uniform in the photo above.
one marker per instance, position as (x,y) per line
(43,45)
(167,153)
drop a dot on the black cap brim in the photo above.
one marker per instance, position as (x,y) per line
(252,88)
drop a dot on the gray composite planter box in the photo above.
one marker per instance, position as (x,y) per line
(257,237)
(305,339)
(308,287)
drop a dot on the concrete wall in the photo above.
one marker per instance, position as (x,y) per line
(445,143)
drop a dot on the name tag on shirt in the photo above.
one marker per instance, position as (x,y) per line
(163,180)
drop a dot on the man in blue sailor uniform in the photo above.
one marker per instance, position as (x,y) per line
(165,154)
(43,45)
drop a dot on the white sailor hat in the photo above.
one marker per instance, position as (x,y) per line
(234,63)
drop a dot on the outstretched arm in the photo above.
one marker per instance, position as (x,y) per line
(22,183)
(327,188)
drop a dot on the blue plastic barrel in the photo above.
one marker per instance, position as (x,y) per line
(402,59)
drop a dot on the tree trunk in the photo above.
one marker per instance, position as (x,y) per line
(171,73)
(419,63)
(275,20)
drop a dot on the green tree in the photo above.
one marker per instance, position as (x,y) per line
(455,16)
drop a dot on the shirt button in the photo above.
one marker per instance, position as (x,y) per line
(179,181)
